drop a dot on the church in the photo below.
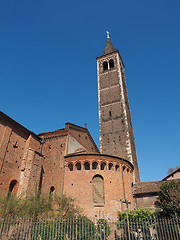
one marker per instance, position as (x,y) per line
(67,161)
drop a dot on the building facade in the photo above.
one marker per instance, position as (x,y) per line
(67,161)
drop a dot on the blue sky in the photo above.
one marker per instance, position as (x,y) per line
(48,73)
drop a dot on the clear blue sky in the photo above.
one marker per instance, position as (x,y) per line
(48,73)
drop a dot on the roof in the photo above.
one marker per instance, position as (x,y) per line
(147,187)
(7,120)
(171,174)
(64,131)
(109,47)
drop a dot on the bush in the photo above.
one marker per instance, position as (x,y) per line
(169,197)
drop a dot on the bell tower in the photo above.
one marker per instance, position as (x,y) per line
(115,125)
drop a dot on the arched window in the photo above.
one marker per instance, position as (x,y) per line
(117,168)
(52,189)
(98,190)
(13,186)
(111,63)
(95,166)
(86,166)
(105,65)
(51,193)
(78,166)
(157,205)
(70,167)
(103,166)
(110,166)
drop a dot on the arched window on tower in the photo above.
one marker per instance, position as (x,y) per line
(98,190)
(13,186)
(111,63)
(105,65)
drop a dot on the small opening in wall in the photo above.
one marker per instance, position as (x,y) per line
(124,168)
(72,184)
(117,168)
(95,166)
(15,145)
(110,166)
(70,167)
(110,114)
(103,166)
(127,170)
(86,166)
(78,166)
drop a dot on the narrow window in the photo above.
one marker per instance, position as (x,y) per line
(98,190)
(157,205)
(12,187)
(103,166)
(95,166)
(111,63)
(78,166)
(52,189)
(86,166)
(70,167)
(105,65)
(110,166)
(117,168)
(110,114)
(51,193)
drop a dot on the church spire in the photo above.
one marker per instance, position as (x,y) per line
(109,47)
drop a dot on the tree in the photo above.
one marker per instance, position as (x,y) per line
(169,197)
(170,170)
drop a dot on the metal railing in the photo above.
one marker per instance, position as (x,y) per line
(79,228)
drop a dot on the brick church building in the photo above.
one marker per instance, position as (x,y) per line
(67,161)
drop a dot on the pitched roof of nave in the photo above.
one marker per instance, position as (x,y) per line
(18,128)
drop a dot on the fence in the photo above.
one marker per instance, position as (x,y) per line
(81,228)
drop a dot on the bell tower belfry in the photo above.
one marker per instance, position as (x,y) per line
(115,125)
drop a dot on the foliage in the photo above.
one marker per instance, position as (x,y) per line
(137,214)
(65,206)
(142,219)
(169,197)
(103,229)
(34,205)
(10,206)
(170,170)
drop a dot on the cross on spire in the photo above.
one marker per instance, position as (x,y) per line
(107,34)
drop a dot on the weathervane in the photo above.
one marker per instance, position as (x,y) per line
(107,34)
